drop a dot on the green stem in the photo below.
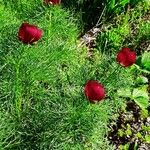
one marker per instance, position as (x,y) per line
(18,93)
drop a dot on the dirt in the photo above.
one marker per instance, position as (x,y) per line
(131,123)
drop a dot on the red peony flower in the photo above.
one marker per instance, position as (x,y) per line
(29,34)
(94,91)
(54,2)
(126,57)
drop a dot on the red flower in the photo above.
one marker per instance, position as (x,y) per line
(29,34)
(126,57)
(54,2)
(94,91)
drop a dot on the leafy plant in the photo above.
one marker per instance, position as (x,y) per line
(141,97)
(146,60)
(147,138)
(41,85)
(143,63)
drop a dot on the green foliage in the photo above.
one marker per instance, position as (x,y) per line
(144,30)
(8,136)
(94,12)
(143,63)
(118,36)
(121,132)
(41,86)
(146,60)
(38,91)
(128,131)
(144,113)
(138,135)
(147,139)
(146,128)
(124,92)
(141,80)
(124,147)
(140,96)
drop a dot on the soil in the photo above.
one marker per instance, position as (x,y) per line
(129,119)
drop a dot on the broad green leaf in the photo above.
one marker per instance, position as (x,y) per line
(146,60)
(140,96)
(147,138)
(124,92)
(142,70)
(141,80)
(142,102)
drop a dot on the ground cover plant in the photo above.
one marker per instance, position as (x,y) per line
(90,12)
(52,95)
(134,115)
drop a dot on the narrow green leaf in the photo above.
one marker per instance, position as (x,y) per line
(124,2)
(112,4)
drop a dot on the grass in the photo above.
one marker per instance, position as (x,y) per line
(42,102)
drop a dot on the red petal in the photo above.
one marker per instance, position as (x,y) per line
(21,33)
(121,58)
(94,91)
(126,57)
(29,33)
(52,2)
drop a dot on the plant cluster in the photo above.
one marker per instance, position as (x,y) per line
(46,77)
(94,91)
(131,129)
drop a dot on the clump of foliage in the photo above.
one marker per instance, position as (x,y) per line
(41,84)
(131,128)
(95,12)
(134,114)
(42,102)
